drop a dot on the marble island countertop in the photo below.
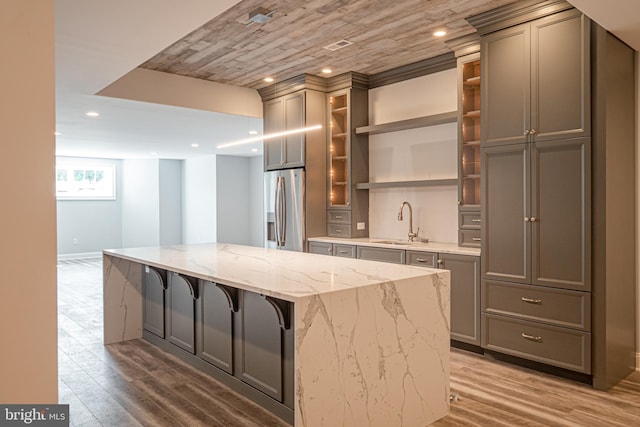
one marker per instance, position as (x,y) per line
(446,248)
(277,273)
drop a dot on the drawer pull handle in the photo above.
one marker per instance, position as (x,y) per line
(476,239)
(476,220)
(338,230)
(531,337)
(338,216)
(531,300)
(421,260)
(343,252)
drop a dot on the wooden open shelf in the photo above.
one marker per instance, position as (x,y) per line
(397,184)
(418,122)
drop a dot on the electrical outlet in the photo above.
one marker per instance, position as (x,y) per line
(74,241)
(360,226)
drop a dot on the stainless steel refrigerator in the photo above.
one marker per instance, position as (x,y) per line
(284,199)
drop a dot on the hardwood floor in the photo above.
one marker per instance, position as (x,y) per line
(134,383)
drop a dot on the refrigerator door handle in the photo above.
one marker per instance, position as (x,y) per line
(281,210)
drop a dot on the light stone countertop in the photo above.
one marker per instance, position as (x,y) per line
(282,274)
(445,248)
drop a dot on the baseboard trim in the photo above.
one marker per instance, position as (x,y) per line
(83,255)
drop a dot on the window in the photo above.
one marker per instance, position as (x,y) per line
(82,181)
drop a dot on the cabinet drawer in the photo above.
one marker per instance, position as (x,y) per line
(339,217)
(339,230)
(470,238)
(562,347)
(423,259)
(469,220)
(556,306)
(347,251)
(321,248)
(381,254)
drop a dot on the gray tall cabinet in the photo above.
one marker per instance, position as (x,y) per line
(546,249)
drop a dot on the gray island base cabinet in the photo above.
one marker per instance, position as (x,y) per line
(256,318)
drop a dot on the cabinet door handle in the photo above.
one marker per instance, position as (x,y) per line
(532,132)
(534,219)
(476,239)
(531,337)
(338,217)
(526,219)
(476,220)
(531,300)
(526,131)
(440,262)
(329,250)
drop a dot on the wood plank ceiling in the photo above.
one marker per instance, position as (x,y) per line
(385,33)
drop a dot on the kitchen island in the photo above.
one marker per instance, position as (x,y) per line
(369,341)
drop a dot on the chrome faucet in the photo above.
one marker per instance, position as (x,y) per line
(412,235)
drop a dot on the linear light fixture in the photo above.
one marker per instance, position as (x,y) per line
(268,136)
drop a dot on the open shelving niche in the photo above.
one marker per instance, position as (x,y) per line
(418,122)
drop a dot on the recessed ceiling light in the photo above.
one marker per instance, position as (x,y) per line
(253,132)
(440,33)
(92,113)
(195,145)
(254,150)
(268,79)
(327,70)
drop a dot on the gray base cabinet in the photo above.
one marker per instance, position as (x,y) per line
(242,338)
(465,291)
(154,285)
(262,355)
(215,324)
(182,292)
(465,296)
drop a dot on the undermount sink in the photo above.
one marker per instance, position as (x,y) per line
(394,242)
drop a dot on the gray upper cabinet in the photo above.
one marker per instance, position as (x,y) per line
(285,113)
(536,213)
(536,81)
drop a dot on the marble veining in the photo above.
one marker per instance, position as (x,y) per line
(281,274)
(375,355)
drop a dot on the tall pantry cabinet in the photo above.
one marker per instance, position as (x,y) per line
(547,265)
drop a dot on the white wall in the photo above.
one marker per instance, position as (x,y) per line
(232,193)
(140,203)
(94,224)
(423,153)
(199,200)
(170,208)
(256,201)
(28,359)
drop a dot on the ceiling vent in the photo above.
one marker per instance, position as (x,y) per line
(338,45)
(260,16)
